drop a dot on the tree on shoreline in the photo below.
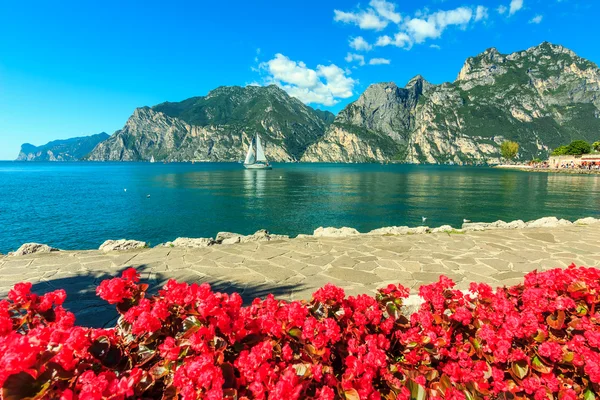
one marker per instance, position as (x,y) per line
(509,150)
(575,148)
(596,146)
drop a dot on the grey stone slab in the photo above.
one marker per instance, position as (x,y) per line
(351,275)
(272,272)
(344,262)
(393,275)
(541,236)
(321,260)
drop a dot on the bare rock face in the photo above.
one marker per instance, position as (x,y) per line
(33,248)
(335,232)
(541,98)
(122,244)
(189,242)
(218,127)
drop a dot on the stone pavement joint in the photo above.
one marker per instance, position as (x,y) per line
(295,268)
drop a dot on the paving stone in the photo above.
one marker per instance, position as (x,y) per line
(430,277)
(344,262)
(393,275)
(273,272)
(366,266)
(500,265)
(542,236)
(351,275)
(526,267)
(502,276)
(410,266)
(480,269)
(464,260)
(289,263)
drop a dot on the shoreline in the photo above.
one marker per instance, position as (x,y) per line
(294,269)
(526,168)
(226,239)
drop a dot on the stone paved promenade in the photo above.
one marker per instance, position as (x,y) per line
(293,269)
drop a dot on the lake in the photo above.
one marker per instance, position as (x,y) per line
(79,205)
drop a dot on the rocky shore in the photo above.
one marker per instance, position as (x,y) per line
(230,238)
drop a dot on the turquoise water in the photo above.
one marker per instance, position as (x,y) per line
(79,205)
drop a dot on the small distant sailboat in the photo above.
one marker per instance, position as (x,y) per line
(152,159)
(255,158)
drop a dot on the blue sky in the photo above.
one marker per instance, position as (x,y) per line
(74,68)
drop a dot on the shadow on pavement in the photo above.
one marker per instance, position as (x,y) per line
(90,310)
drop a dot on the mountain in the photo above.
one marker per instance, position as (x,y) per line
(218,127)
(541,98)
(61,150)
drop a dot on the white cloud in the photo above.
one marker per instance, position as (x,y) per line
(324,85)
(435,46)
(386,10)
(363,19)
(502,9)
(515,5)
(481,13)
(537,19)
(400,39)
(433,25)
(351,57)
(422,26)
(360,44)
(379,61)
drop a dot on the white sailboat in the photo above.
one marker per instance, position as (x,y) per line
(255,158)
(152,159)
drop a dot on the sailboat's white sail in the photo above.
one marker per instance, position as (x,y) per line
(250,156)
(260,152)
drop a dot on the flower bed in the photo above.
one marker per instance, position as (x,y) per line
(536,340)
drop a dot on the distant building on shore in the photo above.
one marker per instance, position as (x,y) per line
(558,161)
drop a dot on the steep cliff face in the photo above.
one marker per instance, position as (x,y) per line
(542,97)
(218,127)
(61,150)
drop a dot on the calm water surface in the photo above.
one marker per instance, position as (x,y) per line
(79,205)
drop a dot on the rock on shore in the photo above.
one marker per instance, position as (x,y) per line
(259,236)
(32,248)
(122,244)
(190,242)
(227,238)
(335,232)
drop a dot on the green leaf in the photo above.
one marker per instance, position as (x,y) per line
(520,369)
(539,366)
(190,326)
(588,395)
(159,370)
(417,392)
(302,369)
(295,332)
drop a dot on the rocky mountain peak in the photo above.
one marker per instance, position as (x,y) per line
(419,84)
